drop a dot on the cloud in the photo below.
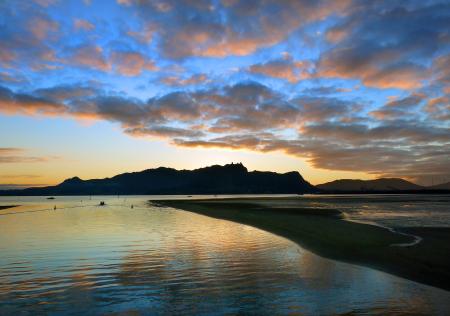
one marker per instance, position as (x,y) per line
(125,2)
(384,45)
(407,102)
(177,81)
(189,28)
(283,68)
(342,152)
(387,132)
(345,64)
(441,70)
(85,25)
(128,112)
(144,35)
(403,107)
(325,90)
(131,63)
(16,155)
(126,63)
(90,56)
(331,133)
(23,176)
(163,131)
(23,103)
(12,79)
(439,108)
(6,56)
(317,109)
(62,93)
(45,3)
(24,37)
(41,26)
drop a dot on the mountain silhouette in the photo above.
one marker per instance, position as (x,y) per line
(227,179)
(442,186)
(382,184)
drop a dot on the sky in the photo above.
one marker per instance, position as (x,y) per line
(332,89)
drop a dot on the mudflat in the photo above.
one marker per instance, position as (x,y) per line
(325,232)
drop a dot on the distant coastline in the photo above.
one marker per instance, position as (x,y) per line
(226,179)
(422,191)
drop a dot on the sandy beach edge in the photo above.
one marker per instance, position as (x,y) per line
(326,234)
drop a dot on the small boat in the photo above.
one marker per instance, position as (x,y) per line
(50,198)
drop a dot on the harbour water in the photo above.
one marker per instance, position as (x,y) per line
(86,259)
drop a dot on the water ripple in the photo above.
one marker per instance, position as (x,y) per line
(110,260)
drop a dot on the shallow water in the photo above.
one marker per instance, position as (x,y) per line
(391,210)
(113,260)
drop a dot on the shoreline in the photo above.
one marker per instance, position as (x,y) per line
(16,193)
(327,234)
(5,207)
(417,239)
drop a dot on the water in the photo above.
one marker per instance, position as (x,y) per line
(83,259)
(395,210)
(411,210)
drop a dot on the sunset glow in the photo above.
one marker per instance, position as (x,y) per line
(330,89)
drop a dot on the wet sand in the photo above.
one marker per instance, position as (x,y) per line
(326,233)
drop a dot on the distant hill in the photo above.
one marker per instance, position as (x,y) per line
(379,185)
(442,186)
(227,179)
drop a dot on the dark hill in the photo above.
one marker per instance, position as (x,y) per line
(442,186)
(378,185)
(227,179)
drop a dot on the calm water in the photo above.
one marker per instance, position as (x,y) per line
(114,260)
(394,210)
(388,210)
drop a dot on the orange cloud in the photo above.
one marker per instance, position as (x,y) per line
(131,63)
(40,27)
(81,24)
(16,155)
(12,103)
(45,3)
(439,108)
(177,81)
(340,64)
(145,35)
(91,56)
(336,35)
(248,27)
(285,68)
(125,2)
(6,56)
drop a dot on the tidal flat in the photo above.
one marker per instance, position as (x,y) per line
(415,253)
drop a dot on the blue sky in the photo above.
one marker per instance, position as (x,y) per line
(333,89)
